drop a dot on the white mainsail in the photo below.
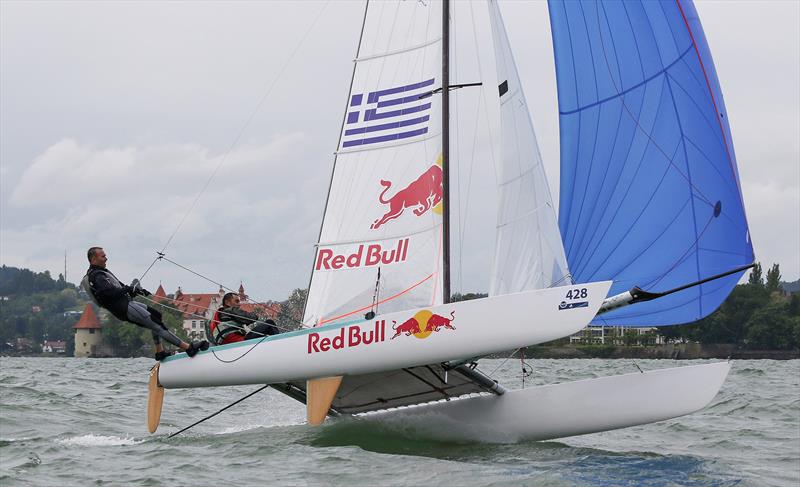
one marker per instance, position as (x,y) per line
(383,225)
(528,250)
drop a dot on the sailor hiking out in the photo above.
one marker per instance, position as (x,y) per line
(108,292)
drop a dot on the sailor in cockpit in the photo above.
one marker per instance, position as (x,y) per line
(233,324)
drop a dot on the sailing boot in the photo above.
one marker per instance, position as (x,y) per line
(162,355)
(195,347)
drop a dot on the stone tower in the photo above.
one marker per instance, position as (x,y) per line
(88,333)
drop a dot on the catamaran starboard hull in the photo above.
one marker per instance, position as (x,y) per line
(393,341)
(567,409)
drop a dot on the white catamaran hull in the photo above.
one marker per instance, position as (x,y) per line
(395,340)
(568,409)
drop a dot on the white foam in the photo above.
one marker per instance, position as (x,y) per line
(238,429)
(99,440)
(246,427)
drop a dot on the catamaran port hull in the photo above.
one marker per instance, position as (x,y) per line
(567,409)
(394,340)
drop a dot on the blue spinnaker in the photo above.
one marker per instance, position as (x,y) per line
(650,194)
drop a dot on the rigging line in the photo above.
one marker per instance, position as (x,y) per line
(483,99)
(264,304)
(471,172)
(219,359)
(245,126)
(463,216)
(221,410)
(201,317)
(213,352)
(158,257)
(504,361)
(378,303)
(197,274)
(457,159)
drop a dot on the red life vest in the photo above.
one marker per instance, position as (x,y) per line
(223,333)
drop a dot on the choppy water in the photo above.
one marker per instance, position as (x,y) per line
(82,421)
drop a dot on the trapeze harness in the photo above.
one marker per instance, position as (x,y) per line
(223,332)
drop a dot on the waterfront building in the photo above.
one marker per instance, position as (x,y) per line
(88,333)
(617,335)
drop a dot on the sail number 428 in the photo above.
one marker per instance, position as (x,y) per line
(577,293)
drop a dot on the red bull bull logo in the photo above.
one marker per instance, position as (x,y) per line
(420,195)
(422,324)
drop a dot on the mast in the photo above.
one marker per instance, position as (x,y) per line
(446,151)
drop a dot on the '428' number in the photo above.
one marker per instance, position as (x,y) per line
(577,293)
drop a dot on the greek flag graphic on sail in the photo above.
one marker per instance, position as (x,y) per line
(389,114)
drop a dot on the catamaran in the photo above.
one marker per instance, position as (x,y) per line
(651,230)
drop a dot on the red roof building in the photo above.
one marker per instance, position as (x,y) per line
(88,319)
(196,309)
(199,308)
(194,306)
(160,294)
(269,310)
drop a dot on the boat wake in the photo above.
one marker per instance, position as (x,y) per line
(99,440)
(254,426)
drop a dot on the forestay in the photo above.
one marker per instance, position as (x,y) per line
(650,193)
(528,251)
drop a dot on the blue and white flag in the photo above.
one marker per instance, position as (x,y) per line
(388,114)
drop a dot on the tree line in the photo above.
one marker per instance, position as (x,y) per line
(758,315)
(36,307)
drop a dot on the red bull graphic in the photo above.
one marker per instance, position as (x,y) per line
(409,327)
(422,324)
(364,256)
(420,195)
(348,337)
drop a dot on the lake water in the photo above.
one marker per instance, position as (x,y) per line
(67,421)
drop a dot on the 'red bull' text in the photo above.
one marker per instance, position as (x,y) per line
(364,256)
(348,336)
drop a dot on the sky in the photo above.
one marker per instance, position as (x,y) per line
(114,116)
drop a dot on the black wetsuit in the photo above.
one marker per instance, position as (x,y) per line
(237,314)
(117,298)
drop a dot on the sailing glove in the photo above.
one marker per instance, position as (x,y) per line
(135,289)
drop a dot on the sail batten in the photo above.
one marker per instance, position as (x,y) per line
(399,51)
(648,175)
